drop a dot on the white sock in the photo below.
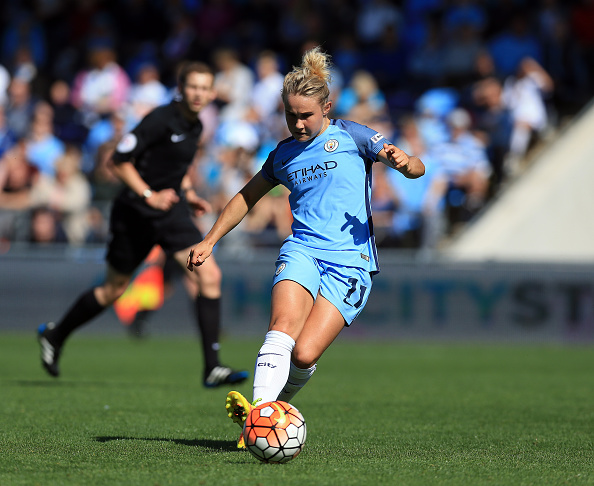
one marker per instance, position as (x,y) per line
(298,377)
(272,365)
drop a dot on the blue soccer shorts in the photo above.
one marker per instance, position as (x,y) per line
(347,288)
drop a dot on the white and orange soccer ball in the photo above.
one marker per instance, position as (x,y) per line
(274,432)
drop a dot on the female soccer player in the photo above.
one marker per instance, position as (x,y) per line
(324,269)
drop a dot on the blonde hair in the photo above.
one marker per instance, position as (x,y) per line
(311,78)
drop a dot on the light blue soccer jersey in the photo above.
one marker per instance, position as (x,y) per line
(330,182)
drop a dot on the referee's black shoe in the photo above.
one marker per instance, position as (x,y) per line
(50,352)
(223,375)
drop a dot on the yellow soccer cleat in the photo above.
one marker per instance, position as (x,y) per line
(238,407)
(241,442)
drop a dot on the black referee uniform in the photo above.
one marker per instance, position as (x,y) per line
(161,148)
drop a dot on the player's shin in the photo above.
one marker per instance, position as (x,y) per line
(298,377)
(272,365)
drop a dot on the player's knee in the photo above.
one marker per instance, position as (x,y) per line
(212,278)
(303,358)
(107,294)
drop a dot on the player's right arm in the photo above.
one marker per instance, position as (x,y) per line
(149,131)
(233,213)
(162,200)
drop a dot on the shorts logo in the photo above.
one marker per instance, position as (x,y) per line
(280,268)
(331,145)
(365,257)
(377,137)
(175,138)
(127,143)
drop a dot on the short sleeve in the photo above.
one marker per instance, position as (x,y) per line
(268,166)
(131,146)
(369,142)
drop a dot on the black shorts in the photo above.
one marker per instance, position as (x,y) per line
(133,234)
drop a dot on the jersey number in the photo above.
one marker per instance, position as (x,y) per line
(362,290)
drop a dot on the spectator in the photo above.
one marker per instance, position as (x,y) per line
(66,196)
(7,136)
(361,95)
(431,108)
(464,161)
(147,92)
(384,202)
(234,83)
(494,124)
(43,147)
(266,106)
(17,176)
(45,227)
(418,219)
(266,97)
(20,107)
(106,185)
(103,86)
(24,66)
(68,124)
(524,95)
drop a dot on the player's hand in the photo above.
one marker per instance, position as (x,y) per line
(163,200)
(199,205)
(198,254)
(397,157)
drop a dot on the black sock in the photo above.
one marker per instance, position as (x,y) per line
(83,310)
(208,314)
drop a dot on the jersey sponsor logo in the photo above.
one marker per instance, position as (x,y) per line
(280,268)
(175,138)
(377,137)
(311,173)
(127,143)
(331,145)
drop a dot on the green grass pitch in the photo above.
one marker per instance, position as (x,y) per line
(134,413)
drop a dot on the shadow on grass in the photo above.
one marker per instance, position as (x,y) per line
(213,445)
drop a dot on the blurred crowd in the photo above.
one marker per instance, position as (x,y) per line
(470,86)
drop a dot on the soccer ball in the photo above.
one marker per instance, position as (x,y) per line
(274,432)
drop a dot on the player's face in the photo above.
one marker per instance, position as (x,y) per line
(198,91)
(305,117)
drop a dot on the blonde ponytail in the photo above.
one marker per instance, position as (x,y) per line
(311,79)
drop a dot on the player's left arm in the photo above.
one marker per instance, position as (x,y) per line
(409,166)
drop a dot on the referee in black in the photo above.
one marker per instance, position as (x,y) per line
(155,208)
